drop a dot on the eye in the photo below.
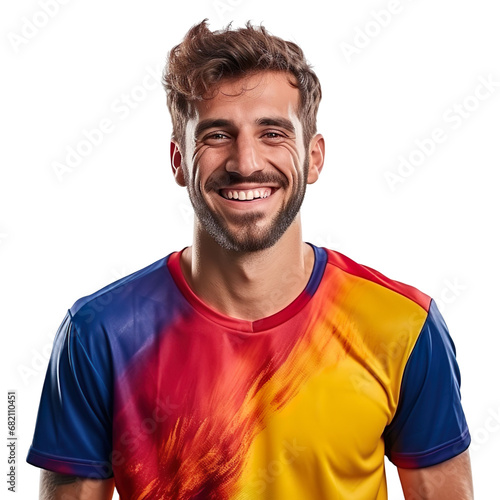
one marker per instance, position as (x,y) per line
(274,135)
(214,138)
(217,136)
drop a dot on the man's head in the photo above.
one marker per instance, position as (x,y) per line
(204,59)
(243,107)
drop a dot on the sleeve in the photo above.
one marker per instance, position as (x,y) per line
(429,426)
(73,427)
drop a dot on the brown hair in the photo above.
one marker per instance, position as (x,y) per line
(204,58)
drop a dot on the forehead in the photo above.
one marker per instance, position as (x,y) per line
(257,95)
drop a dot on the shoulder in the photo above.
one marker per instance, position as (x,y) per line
(114,300)
(388,316)
(119,319)
(375,280)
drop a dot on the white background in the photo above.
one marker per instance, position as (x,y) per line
(64,236)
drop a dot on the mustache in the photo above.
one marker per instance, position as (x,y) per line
(228,179)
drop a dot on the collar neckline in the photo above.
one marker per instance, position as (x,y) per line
(320,259)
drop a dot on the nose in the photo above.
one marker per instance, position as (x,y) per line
(245,157)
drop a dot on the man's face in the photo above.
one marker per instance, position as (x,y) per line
(245,163)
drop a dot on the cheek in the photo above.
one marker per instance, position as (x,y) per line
(205,164)
(200,162)
(209,158)
(288,160)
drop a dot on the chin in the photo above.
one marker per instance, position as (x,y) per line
(249,239)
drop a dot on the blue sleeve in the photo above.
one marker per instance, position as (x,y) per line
(73,428)
(429,426)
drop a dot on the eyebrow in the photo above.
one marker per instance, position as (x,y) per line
(277,122)
(222,123)
(206,124)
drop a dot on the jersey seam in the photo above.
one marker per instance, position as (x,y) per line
(94,369)
(407,362)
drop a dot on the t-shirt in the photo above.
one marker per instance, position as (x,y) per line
(149,384)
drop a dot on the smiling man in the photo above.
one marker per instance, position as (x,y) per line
(250,365)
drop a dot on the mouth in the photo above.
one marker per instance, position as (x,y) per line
(239,194)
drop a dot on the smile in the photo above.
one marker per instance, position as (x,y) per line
(246,194)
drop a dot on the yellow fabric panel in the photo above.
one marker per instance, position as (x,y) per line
(388,325)
(324,444)
(323,439)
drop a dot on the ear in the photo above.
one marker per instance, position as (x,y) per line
(316,158)
(176,164)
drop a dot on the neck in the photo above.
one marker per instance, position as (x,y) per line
(251,285)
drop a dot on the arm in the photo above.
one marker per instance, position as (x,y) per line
(55,486)
(72,440)
(449,480)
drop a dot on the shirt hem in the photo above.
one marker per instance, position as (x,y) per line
(432,457)
(64,465)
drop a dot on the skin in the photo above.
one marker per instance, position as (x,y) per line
(450,480)
(246,146)
(260,138)
(63,487)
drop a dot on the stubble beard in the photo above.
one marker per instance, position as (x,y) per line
(248,237)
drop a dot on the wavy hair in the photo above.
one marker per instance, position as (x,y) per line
(204,59)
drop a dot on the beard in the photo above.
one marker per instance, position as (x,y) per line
(248,236)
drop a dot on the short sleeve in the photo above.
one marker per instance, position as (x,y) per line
(429,426)
(73,428)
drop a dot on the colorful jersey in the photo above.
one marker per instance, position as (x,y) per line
(150,385)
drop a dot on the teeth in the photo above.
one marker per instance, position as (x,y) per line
(246,195)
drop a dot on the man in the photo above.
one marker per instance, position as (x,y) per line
(250,365)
